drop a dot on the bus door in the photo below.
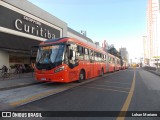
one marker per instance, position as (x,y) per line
(73,62)
(91,56)
(107,63)
(86,64)
(96,65)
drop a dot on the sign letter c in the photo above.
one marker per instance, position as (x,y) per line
(16,24)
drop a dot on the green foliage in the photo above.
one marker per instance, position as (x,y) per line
(12,66)
(112,50)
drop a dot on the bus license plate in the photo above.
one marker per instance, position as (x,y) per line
(43,78)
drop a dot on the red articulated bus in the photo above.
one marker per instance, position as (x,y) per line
(68,59)
(111,62)
(117,64)
(114,63)
(125,66)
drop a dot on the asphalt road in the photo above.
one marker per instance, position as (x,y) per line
(127,90)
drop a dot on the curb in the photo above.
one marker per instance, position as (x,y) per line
(154,72)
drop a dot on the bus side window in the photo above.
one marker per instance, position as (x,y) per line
(116,61)
(81,53)
(86,52)
(100,57)
(91,55)
(96,56)
(113,60)
(104,57)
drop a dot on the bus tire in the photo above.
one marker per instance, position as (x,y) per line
(114,69)
(81,76)
(102,72)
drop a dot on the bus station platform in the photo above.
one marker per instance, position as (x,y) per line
(154,71)
(18,80)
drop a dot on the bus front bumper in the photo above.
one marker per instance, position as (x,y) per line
(57,77)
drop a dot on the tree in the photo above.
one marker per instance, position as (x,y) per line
(112,50)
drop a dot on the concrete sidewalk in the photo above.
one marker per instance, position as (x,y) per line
(18,80)
(153,71)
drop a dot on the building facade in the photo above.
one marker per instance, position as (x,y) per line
(124,54)
(152,41)
(23,25)
(146,51)
(74,34)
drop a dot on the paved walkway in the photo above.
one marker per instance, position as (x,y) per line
(153,71)
(17,80)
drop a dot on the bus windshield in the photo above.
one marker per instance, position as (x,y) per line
(52,54)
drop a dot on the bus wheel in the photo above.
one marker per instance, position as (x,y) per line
(102,72)
(114,69)
(81,76)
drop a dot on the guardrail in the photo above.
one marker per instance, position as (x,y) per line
(18,76)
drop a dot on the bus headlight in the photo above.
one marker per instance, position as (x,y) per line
(59,69)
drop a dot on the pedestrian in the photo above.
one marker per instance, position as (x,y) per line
(20,68)
(4,69)
(23,68)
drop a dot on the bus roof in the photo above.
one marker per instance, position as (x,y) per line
(86,44)
(109,54)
